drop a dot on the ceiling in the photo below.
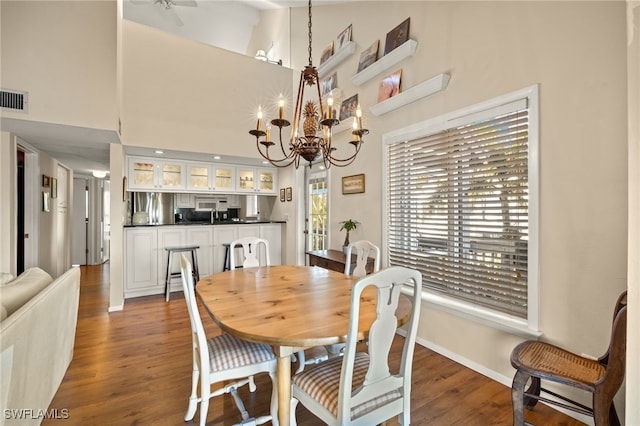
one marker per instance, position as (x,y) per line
(225,24)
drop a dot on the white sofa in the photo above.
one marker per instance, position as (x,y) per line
(37,333)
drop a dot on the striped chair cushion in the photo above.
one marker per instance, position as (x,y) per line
(226,351)
(321,383)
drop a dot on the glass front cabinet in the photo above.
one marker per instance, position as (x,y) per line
(153,174)
(210,177)
(256,180)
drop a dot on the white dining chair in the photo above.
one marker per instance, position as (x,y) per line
(363,250)
(221,359)
(251,249)
(360,388)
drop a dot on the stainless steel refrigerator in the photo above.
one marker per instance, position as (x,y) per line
(158,205)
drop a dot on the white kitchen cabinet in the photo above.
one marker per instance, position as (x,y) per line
(208,177)
(256,180)
(272,232)
(152,174)
(202,236)
(185,200)
(146,257)
(199,177)
(141,262)
(233,201)
(224,178)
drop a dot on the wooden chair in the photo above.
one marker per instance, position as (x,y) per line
(251,252)
(358,388)
(536,361)
(221,359)
(363,250)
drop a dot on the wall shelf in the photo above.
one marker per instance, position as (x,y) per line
(336,59)
(346,124)
(419,91)
(387,61)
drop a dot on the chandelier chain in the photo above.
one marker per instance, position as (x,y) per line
(310,145)
(310,62)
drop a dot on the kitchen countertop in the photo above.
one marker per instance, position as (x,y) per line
(220,222)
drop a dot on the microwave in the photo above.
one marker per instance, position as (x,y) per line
(206,204)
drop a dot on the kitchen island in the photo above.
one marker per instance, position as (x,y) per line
(145,259)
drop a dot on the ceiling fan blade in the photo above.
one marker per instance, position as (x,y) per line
(187,3)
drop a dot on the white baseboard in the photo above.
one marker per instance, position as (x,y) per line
(494,375)
(116,308)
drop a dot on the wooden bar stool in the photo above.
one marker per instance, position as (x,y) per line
(227,256)
(170,274)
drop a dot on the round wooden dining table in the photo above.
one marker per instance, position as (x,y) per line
(290,308)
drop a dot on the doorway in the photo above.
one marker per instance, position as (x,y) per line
(80,222)
(29,199)
(20,165)
(316,209)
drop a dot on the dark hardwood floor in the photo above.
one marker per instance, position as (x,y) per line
(134,368)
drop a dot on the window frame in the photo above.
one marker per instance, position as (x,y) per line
(528,327)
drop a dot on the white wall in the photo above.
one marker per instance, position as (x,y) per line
(179,94)
(633,266)
(577,52)
(63,54)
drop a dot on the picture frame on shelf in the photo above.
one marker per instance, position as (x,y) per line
(282,195)
(389,86)
(329,83)
(397,36)
(368,56)
(344,37)
(327,52)
(348,107)
(353,184)
(289,192)
(46,181)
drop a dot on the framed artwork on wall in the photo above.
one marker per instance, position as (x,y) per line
(368,56)
(353,184)
(344,37)
(289,193)
(54,188)
(326,53)
(282,195)
(397,36)
(46,201)
(348,107)
(389,86)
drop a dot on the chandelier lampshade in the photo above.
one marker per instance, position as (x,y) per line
(311,130)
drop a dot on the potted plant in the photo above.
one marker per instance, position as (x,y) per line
(348,225)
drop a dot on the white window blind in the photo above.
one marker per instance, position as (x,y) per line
(458,206)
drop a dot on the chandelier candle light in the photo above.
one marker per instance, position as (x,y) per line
(312,143)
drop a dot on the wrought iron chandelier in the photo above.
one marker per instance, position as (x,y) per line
(316,127)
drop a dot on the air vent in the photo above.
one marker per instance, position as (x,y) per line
(13,100)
